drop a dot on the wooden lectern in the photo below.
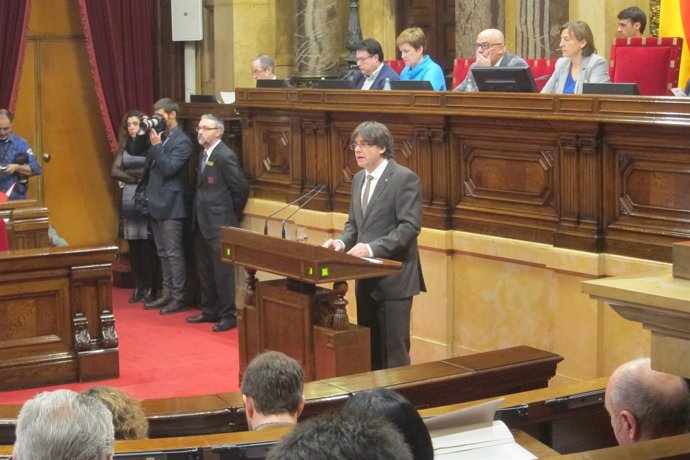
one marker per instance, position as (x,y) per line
(293,315)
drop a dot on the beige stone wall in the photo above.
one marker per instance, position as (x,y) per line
(486,293)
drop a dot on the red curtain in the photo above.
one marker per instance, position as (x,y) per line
(14,24)
(119,40)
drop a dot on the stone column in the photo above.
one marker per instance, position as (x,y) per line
(318,39)
(538,24)
(473,16)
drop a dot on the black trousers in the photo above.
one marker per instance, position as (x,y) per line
(216,278)
(143,262)
(389,325)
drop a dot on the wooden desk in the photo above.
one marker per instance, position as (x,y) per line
(58,325)
(27,224)
(586,172)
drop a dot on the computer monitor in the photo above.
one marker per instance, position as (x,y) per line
(412,85)
(333,84)
(174,454)
(244,451)
(271,84)
(629,89)
(209,98)
(504,79)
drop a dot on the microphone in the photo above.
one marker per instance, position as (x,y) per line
(318,189)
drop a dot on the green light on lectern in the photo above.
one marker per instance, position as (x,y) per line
(310,271)
(228,252)
(324,272)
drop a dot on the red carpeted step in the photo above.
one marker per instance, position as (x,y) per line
(162,356)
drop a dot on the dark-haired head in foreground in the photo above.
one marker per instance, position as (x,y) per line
(388,404)
(342,436)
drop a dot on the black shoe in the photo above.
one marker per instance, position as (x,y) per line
(175,306)
(136,296)
(158,303)
(148,295)
(202,318)
(225,324)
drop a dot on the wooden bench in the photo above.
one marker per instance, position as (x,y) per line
(432,384)
(26,222)
(58,323)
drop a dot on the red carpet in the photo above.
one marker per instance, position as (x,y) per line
(162,356)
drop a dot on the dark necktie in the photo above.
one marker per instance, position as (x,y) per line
(204,158)
(365,197)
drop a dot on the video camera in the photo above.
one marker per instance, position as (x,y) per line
(155,122)
(22,158)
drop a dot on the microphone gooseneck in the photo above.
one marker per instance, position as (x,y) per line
(318,189)
(288,205)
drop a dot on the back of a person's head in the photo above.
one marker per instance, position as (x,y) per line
(659,402)
(129,419)
(395,408)
(341,436)
(275,382)
(63,425)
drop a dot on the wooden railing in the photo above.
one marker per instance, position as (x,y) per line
(431,384)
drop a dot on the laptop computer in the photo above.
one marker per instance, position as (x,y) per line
(203,98)
(333,84)
(271,84)
(624,89)
(412,85)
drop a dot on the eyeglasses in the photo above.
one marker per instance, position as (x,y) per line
(363,145)
(203,129)
(485,46)
(362,59)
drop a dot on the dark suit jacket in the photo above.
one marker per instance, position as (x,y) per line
(508,60)
(165,187)
(386,72)
(221,193)
(390,227)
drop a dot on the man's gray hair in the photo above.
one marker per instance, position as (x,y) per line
(62,425)
(217,121)
(266,61)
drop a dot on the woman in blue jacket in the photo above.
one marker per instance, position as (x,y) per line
(418,65)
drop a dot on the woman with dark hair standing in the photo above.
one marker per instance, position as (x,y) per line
(393,407)
(128,169)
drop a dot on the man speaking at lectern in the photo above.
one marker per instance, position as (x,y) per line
(384,220)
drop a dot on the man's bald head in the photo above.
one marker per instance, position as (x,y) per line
(491,45)
(646,404)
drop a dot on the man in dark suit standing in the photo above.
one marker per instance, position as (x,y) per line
(491,52)
(222,191)
(165,190)
(372,70)
(384,221)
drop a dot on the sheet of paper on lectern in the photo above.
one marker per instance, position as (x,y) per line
(228,97)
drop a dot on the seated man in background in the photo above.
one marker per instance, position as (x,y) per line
(342,436)
(372,70)
(491,52)
(64,425)
(631,22)
(262,68)
(645,404)
(17,161)
(272,390)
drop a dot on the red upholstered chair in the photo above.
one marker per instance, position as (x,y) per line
(460,69)
(4,244)
(542,69)
(398,65)
(652,62)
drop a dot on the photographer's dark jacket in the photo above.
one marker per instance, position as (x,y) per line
(165,188)
(16,150)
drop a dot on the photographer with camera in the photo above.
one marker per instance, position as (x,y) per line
(17,161)
(165,190)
